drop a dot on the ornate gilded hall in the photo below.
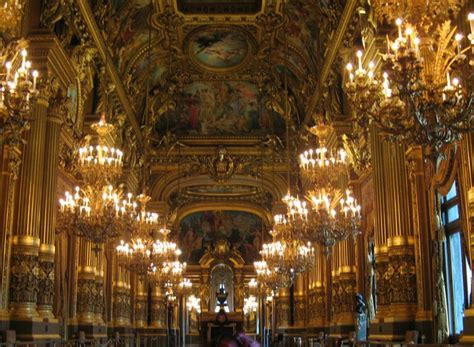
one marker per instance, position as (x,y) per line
(236,172)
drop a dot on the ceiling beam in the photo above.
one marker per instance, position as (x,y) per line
(96,35)
(331,56)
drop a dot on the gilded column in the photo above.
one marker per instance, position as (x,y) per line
(317,307)
(282,307)
(300,301)
(86,287)
(346,288)
(55,115)
(121,298)
(140,303)
(24,265)
(99,288)
(157,309)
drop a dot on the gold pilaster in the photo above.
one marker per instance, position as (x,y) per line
(121,298)
(86,289)
(48,203)
(25,245)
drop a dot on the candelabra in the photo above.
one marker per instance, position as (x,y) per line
(322,167)
(10,14)
(424,93)
(18,92)
(333,218)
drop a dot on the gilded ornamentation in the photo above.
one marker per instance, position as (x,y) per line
(383,283)
(158,312)
(99,297)
(121,304)
(402,271)
(357,146)
(46,283)
(140,309)
(86,295)
(24,273)
(282,314)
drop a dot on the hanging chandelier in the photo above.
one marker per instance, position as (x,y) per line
(423,95)
(321,166)
(269,277)
(193,303)
(287,254)
(11,12)
(100,164)
(97,211)
(18,92)
(333,218)
(138,254)
(169,273)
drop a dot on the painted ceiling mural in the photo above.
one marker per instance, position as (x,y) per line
(200,230)
(214,48)
(219,48)
(220,108)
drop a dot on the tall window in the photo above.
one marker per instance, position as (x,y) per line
(456,266)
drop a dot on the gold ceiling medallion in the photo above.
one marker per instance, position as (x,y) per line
(220,49)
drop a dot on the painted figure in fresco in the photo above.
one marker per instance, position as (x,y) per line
(199,230)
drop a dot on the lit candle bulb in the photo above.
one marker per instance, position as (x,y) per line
(470,17)
(35,77)
(399,22)
(458,39)
(359,59)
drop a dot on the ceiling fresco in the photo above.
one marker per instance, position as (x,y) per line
(201,230)
(219,49)
(220,108)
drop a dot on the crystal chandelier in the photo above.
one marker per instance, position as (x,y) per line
(333,218)
(250,304)
(11,12)
(193,303)
(18,91)
(169,273)
(423,95)
(100,164)
(138,254)
(270,278)
(97,215)
(287,254)
(321,166)
(97,211)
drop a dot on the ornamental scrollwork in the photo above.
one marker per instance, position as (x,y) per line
(24,273)
(46,283)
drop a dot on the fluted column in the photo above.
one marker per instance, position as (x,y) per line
(300,301)
(344,304)
(86,288)
(49,186)
(140,303)
(394,242)
(99,287)
(317,299)
(24,265)
(157,309)
(121,298)
(283,308)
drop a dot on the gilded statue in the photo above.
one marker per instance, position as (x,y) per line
(222,166)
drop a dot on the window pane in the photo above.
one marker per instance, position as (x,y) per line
(453,213)
(452,192)
(469,282)
(457,281)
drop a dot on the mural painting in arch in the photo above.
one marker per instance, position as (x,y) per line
(200,230)
(220,108)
